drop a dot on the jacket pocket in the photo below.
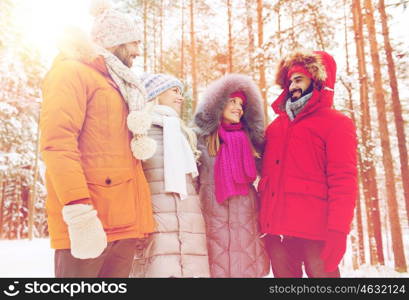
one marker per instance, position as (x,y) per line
(306,206)
(112,192)
(306,187)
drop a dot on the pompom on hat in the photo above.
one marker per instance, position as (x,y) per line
(112,28)
(156,84)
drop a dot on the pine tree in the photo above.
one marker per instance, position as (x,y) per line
(358,241)
(370,186)
(22,70)
(229,38)
(145,32)
(249,20)
(260,60)
(397,107)
(193,53)
(397,244)
(182,39)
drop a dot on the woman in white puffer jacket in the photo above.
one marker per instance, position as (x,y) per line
(178,247)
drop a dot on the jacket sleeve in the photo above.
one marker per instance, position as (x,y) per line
(62,116)
(341,150)
(200,165)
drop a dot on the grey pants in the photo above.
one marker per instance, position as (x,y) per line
(115,261)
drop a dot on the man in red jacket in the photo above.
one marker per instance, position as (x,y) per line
(309,178)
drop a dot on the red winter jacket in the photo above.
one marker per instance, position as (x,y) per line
(309,175)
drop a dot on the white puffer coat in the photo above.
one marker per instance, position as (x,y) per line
(178,247)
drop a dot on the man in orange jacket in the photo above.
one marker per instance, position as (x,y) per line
(98,202)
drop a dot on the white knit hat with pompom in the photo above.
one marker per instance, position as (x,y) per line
(111,27)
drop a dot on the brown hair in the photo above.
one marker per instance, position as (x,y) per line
(213,144)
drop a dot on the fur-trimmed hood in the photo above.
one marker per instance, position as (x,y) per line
(320,64)
(77,45)
(322,67)
(209,112)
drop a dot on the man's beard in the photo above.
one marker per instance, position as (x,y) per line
(123,55)
(302,94)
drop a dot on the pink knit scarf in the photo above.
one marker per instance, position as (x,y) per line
(235,166)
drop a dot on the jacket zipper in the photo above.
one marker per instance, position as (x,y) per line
(279,190)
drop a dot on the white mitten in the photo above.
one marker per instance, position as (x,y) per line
(87,236)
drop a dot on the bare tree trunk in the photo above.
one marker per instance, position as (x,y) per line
(361,244)
(262,82)
(370,186)
(354,256)
(145,40)
(293,42)
(249,13)
(1,203)
(358,243)
(155,65)
(396,231)
(161,37)
(230,40)
(193,55)
(182,46)
(33,190)
(397,108)
(358,209)
(280,44)
(317,28)
(184,112)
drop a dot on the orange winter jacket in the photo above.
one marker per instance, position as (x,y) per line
(85,144)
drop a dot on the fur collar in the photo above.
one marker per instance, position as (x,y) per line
(77,45)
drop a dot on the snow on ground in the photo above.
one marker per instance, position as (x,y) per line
(24,258)
(373,271)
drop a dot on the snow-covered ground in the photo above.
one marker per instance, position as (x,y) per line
(372,271)
(23,258)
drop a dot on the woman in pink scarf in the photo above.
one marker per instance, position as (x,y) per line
(231,126)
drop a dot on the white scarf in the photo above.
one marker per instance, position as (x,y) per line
(134,94)
(178,158)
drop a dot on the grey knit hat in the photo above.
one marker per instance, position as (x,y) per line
(156,84)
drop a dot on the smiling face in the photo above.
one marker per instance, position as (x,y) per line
(299,83)
(173,98)
(127,52)
(233,111)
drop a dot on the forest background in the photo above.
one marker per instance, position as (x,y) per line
(199,41)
